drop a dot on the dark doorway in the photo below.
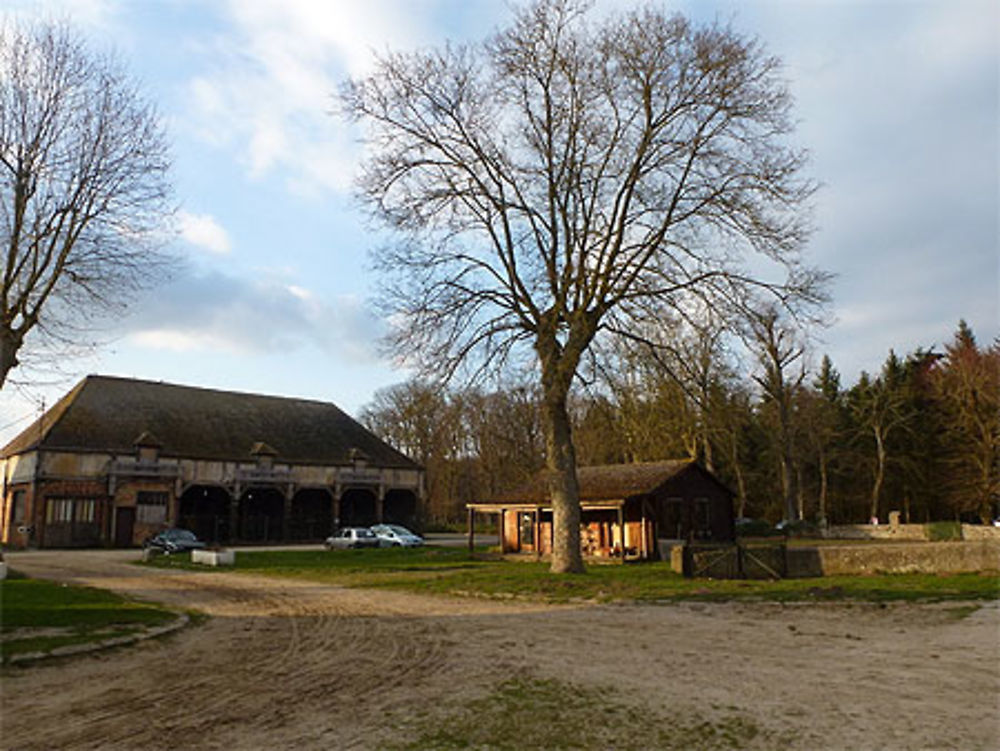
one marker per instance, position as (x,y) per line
(204,509)
(124,526)
(311,517)
(400,507)
(357,508)
(262,514)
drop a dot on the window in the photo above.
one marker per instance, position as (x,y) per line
(59,511)
(70,510)
(17,514)
(151,507)
(84,510)
(704,517)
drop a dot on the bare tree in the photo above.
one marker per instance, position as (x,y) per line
(569,177)
(779,348)
(83,187)
(882,408)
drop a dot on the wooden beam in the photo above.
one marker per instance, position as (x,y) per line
(472,532)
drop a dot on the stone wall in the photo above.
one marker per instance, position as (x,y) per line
(897,558)
(903,532)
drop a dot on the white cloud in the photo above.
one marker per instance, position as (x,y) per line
(269,87)
(215,312)
(202,231)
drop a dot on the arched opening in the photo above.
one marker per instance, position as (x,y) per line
(262,514)
(400,507)
(204,509)
(357,508)
(311,517)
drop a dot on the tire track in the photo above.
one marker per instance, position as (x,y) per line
(276,649)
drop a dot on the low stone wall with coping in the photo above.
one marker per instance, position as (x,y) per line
(903,532)
(897,558)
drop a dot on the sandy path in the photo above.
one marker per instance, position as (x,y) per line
(286,663)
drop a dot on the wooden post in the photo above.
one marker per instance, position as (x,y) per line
(472,532)
(621,529)
(538,533)
(500,532)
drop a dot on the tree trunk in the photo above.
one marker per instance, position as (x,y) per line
(879,472)
(741,491)
(787,460)
(9,345)
(823,485)
(559,363)
(564,490)
(800,492)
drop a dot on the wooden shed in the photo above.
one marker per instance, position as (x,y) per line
(625,509)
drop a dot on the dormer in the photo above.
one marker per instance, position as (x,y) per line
(264,455)
(147,448)
(359,459)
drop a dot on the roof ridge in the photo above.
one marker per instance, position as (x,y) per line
(150,382)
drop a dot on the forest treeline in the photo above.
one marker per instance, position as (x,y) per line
(922,436)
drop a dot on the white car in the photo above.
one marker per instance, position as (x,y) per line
(352,537)
(395,536)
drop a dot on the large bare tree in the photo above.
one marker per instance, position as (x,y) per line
(567,177)
(84,192)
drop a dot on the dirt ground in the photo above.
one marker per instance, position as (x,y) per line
(285,664)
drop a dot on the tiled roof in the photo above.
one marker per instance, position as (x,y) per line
(106,414)
(607,482)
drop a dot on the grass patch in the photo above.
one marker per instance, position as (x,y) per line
(961,612)
(40,615)
(944,531)
(527,713)
(450,571)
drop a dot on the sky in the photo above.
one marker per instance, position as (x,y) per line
(897,101)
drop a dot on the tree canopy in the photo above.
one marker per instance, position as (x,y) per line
(573,178)
(84,188)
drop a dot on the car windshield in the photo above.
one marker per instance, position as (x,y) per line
(365,533)
(179,534)
(399,530)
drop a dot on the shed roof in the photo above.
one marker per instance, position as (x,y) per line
(106,413)
(609,481)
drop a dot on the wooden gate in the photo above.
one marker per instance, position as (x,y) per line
(758,560)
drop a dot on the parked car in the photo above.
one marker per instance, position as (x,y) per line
(395,536)
(352,537)
(173,541)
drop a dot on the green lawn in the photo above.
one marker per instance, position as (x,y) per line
(451,571)
(37,615)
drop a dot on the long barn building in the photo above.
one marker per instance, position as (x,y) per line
(117,459)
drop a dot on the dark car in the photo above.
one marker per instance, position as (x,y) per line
(173,541)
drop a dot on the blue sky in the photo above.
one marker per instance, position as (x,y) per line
(897,101)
